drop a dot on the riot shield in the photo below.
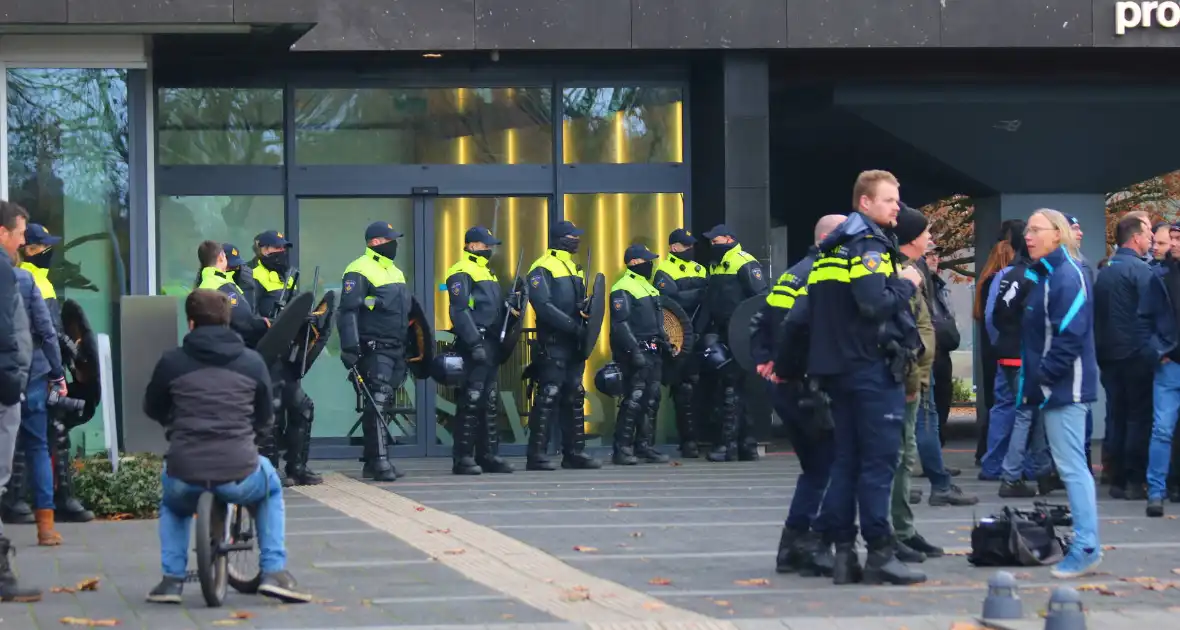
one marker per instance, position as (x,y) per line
(594,314)
(314,334)
(276,343)
(85,382)
(739,331)
(419,342)
(513,322)
(677,328)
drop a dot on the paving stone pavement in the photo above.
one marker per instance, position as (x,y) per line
(709,530)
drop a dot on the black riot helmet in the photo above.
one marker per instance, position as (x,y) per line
(609,380)
(447,369)
(716,356)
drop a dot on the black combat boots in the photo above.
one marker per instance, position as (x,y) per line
(883,567)
(14,508)
(487,446)
(846,566)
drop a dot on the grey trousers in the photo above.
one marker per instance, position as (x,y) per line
(9,426)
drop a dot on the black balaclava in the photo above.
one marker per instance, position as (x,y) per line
(643,269)
(278,262)
(388,250)
(42,260)
(687,254)
(485,253)
(721,249)
(568,244)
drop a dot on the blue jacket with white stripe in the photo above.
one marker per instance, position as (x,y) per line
(1057,346)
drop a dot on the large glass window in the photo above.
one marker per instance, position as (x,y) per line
(184,222)
(220,126)
(332,235)
(69,165)
(522,223)
(619,125)
(613,222)
(424,126)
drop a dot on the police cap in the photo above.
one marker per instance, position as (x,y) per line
(562,229)
(480,234)
(681,236)
(720,230)
(37,234)
(232,257)
(272,238)
(381,229)
(638,251)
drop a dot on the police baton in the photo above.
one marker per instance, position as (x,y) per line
(358,383)
(507,301)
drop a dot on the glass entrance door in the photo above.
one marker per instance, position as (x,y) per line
(522,223)
(330,236)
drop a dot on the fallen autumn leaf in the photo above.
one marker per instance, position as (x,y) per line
(89,623)
(455,552)
(626,505)
(659,581)
(89,584)
(63,589)
(721,602)
(753,582)
(419,509)
(585,549)
(241,614)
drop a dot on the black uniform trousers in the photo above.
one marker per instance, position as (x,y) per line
(635,422)
(559,398)
(476,430)
(727,389)
(815,449)
(868,409)
(684,390)
(294,414)
(1129,387)
(384,371)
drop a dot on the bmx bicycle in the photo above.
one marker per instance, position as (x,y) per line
(226,546)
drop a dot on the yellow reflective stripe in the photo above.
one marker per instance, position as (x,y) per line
(828,274)
(860,271)
(777,300)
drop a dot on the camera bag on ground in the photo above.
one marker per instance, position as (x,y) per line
(1015,538)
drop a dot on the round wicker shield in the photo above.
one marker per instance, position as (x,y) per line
(674,329)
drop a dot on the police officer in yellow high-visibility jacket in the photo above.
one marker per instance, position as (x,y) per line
(477,307)
(373,321)
(215,259)
(734,277)
(859,312)
(679,278)
(557,291)
(636,338)
(295,412)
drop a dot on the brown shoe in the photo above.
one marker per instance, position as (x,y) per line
(47,536)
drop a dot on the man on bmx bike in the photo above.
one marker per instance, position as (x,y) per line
(213,397)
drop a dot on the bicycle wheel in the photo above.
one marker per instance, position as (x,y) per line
(211,562)
(245,574)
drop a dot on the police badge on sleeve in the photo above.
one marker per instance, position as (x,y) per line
(871,261)
(349,285)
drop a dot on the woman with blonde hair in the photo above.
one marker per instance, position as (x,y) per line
(1060,373)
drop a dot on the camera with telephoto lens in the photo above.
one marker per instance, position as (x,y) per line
(65,402)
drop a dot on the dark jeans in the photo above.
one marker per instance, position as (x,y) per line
(944,390)
(815,450)
(1129,384)
(868,408)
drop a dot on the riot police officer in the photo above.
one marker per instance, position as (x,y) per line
(636,338)
(273,286)
(37,257)
(477,306)
(681,279)
(557,293)
(861,330)
(801,547)
(373,320)
(215,260)
(734,277)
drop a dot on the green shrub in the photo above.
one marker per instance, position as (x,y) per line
(133,492)
(962,392)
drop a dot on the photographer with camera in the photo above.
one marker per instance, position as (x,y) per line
(46,380)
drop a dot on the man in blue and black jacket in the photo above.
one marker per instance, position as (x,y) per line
(1129,348)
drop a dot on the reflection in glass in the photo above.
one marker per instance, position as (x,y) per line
(332,235)
(613,222)
(622,125)
(424,126)
(183,222)
(523,224)
(220,126)
(69,165)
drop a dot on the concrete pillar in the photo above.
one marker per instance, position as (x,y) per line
(1090,210)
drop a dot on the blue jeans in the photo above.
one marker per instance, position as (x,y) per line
(999,430)
(1166,402)
(929,445)
(1066,430)
(262,489)
(868,409)
(1028,434)
(33,438)
(815,452)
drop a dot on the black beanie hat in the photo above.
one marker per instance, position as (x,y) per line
(910,225)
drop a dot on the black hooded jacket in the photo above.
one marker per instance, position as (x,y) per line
(212,395)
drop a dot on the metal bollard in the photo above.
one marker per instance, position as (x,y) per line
(1003,597)
(1065,610)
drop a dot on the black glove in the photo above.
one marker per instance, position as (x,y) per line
(1033,395)
(479,354)
(638,359)
(349,357)
(10,390)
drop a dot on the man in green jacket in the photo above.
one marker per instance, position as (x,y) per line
(913,234)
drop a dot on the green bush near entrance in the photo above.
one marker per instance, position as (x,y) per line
(133,492)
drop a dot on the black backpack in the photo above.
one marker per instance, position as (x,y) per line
(1015,538)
